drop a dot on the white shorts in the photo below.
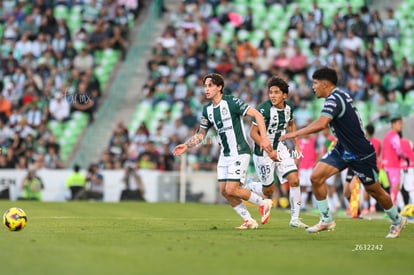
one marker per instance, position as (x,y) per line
(304,177)
(332,179)
(407,179)
(343,175)
(265,166)
(233,168)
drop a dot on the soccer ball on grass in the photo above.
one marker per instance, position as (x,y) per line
(408,211)
(14,219)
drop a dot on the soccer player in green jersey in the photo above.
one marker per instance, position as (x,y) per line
(225,114)
(278,116)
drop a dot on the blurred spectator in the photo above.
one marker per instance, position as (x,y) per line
(133,191)
(59,108)
(52,159)
(94,189)
(295,18)
(83,101)
(98,38)
(298,62)
(166,158)
(205,160)
(408,80)
(83,61)
(5,108)
(6,134)
(246,52)
(118,41)
(392,80)
(75,182)
(34,115)
(353,42)
(391,26)
(9,64)
(148,159)
(189,119)
(31,187)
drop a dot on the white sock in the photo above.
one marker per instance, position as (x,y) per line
(400,201)
(372,201)
(314,202)
(331,203)
(256,199)
(411,193)
(346,201)
(295,202)
(304,199)
(242,211)
(365,204)
(256,187)
(336,201)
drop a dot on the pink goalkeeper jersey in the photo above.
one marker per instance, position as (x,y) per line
(391,150)
(308,148)
(377,147)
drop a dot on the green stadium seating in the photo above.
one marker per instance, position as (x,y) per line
(61,12)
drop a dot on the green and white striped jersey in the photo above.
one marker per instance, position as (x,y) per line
(227,119)
(276,121)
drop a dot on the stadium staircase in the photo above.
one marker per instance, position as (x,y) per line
(125,89)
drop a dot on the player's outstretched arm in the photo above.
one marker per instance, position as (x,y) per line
(191,142)
(314,127)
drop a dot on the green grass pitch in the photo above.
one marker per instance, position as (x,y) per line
(170,238)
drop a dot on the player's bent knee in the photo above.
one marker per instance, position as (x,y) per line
(316,179)
(294,183)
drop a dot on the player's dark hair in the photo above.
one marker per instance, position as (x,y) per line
(278,82)
(326,73)
(76,168)
(370,129)
(217,79)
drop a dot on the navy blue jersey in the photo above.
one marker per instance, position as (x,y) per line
(346,125)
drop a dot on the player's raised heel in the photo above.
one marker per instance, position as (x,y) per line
(396,229)
(321,226)
(265,210)
(248,224)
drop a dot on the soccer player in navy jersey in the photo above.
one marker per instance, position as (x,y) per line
(353,150)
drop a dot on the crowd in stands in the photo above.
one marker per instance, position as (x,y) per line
(49,53)
(247,44)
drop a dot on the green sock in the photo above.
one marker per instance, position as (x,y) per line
(392,213)
(324,210)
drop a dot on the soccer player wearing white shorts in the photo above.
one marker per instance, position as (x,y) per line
(407,168)
(225,114)
(278,116)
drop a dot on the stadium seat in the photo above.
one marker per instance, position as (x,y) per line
(160,109)
(363,110)
(56,128)
(240,8)
(317,105)
(409,102)
(243,35)
(61,12)
(176,110)
(1,30)
(79,45)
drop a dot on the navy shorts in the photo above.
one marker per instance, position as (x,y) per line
(365,168)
